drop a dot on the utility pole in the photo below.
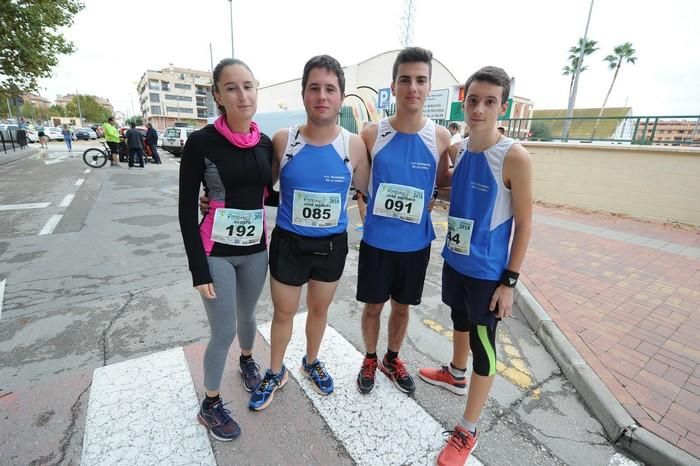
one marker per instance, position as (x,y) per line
(230,2)
(80,113)
(572,97)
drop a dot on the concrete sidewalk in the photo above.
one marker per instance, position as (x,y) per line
(626,295)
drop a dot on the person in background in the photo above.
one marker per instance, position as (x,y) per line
(112,139)
(454,133)
(67,137)
(152,141)
(134,141)
(43,141)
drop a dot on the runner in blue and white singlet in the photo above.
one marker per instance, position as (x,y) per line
(479,249)
(314,186)
(401,185)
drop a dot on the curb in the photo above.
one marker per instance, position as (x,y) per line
(620,427)
(8,157)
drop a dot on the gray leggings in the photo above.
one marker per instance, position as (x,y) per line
(238,281)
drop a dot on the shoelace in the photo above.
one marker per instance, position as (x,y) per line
(221,414)
(369,368)
(319,369)
(250,368)
(459,439)
(400,369)
(267,380)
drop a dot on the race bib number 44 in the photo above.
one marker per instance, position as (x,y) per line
(459,234)
(399,201)
(318,210)
(238,227)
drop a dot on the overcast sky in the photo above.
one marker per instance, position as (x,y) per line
(117,41)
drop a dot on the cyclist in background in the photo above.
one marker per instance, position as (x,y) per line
(112,138)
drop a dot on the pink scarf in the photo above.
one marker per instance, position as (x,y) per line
(241,140)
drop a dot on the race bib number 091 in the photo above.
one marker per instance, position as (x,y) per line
(459,234)
(399,201)
(319,210)
(238,227)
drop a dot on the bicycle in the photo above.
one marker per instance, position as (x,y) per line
(97,158)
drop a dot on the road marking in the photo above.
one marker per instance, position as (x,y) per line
(87,170)
(619,459)
(513,369)
(415,437)
(2,295)
(79,182)
(144,411)
(51,225)
(67,200)
(31,205)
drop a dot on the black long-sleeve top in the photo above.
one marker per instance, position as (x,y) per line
(237,177)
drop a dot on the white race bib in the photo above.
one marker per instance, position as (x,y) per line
(459,234)
(238,227)
(320,210)
(399,201)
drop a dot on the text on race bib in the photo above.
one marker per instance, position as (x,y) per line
(400,202)
(319,210)
(459,234)
(238,227)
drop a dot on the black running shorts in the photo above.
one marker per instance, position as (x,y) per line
(383,274)
(296,259)
(469,299)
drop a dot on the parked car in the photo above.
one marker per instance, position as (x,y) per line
(85,133)
(53,133)
(98,130)
(32,135)
(175,137)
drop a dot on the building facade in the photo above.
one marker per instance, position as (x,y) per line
(173,95)
(670,132)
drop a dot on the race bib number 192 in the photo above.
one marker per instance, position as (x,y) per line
(238,227)
(459,234)
(400,202)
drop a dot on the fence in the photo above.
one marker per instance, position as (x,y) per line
(644,130)
(11,139)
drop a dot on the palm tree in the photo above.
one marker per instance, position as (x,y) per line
(574,54)
(621,53)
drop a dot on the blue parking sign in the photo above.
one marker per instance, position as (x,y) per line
(384,98)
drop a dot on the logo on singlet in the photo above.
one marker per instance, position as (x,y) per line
(385,134)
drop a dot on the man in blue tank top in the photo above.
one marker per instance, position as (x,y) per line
(395,248)
(315,164)
(491,198)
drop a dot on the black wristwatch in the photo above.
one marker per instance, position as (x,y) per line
(509,278)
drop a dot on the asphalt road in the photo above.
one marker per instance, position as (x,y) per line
(93,272)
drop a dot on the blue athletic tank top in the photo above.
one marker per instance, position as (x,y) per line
(314,186)
(481,214)
(401,185)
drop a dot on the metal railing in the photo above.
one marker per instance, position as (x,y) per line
(681,130)
(11,140)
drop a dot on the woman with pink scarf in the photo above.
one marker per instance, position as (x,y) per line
(227,251)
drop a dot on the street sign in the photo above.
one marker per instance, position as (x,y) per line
(456,111)
(384,98)
(435,106)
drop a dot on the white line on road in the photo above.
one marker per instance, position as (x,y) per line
(621,460)
(79,182)
(87,170)
(2,295)
(51,225)
(31,205)
(144,411)
(67,200)
(416,438)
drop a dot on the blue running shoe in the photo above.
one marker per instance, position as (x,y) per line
(316,371)
(265,391)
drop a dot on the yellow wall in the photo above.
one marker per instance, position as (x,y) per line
(658,183)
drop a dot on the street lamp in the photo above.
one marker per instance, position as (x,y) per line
(231,11)
(572,97)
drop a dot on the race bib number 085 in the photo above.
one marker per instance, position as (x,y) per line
(320,210)
(238,227)
(459,234)
(400,202)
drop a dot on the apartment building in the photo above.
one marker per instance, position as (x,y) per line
(173,95)
(670,132)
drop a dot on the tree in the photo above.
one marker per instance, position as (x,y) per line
(574,56)
(58,110)
(137,119)
(621,53)
(91,110)
(30,42)
(540,131)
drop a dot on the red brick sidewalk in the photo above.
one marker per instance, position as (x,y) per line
(632,311)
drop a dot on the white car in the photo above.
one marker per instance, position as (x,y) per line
(175,137)
(53,133)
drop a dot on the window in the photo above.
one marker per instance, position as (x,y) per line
(181,98)
(155,109)
(154,97)
(201,102)
(201,113)
(201,90)
(153,85)
(183,86)
(178,110)
(164,85)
